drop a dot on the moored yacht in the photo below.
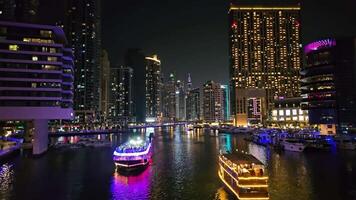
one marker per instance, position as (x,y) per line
(134,154)
(244,175)
(293,145)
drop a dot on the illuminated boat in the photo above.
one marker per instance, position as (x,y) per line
(134,154)
(244,175)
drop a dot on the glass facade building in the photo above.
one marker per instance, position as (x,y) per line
(328,82)
(153,83)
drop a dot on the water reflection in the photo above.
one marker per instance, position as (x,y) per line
(6,179)
(128,187)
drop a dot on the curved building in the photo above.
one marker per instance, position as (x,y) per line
(36,76)
(327,84)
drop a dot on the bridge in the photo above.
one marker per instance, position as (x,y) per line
(111,131)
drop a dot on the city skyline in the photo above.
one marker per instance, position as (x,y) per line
(180,36)
(214,99)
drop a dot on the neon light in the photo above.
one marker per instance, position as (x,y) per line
(237,195)
(321,44)
(238,184)
(242,178)
(133,165)
(134,153)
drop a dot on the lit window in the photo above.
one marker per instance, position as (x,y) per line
(287,112)
(52,58)
(274,113)
(301,118)
(13,47)
(294,111)
(281,112)
(295,118)
(34,58)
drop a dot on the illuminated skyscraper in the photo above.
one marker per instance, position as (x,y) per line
(169,99)
(226,101)
(328,85)
(83,30)
(153,88)
(104,84)
(193,104)
(121,94)
(180,100)
(265,54)
(212,102)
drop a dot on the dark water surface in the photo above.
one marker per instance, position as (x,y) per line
(184,167)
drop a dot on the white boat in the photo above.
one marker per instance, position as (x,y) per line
(134,154)
(293,145)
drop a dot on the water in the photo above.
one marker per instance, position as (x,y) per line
(184,167)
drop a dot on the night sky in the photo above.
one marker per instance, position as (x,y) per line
(190,36)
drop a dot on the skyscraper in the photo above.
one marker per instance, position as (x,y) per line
(153,88)
(180,101)
(328,84)
(104,84)
(189,83)
(169,99)
(193,105)
(212,102)
(226,101)
(82,26)
(19,10)
(135,59)
(121,94)
(265,54)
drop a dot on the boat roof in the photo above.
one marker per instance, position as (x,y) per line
(242,158)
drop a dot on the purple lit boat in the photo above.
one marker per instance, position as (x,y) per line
(134,154)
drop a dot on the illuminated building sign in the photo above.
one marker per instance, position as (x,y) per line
(321,44)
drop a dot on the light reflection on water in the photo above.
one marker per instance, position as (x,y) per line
(6,179)
(124,187)
(184,167)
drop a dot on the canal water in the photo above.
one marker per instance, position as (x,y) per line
(184,166)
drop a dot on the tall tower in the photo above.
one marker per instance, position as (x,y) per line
(189,83)
(169,98)
(265,55)
(82,26)
(104,84)
(153,88)
(121,94)
(212,102)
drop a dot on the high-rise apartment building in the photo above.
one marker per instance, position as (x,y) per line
(36,77)
(121,95)
(169,99)
(153,83)
(82,27)
(328,85)
(212,102)
(180,100)
(193,104)
(226,101)
(265,54)
(104,85)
